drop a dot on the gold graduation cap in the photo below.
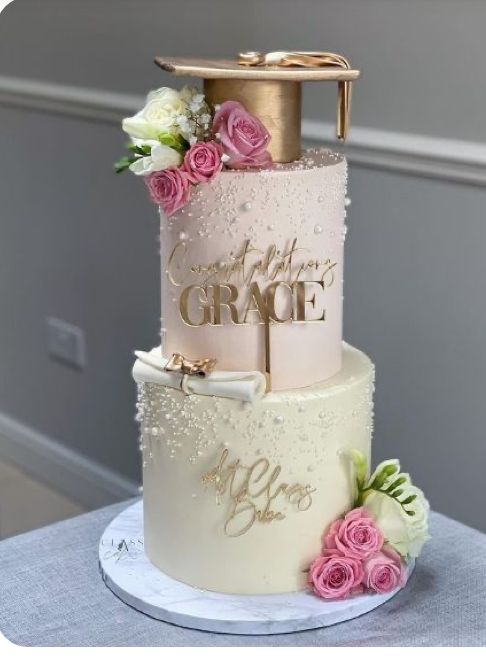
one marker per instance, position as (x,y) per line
(270,86)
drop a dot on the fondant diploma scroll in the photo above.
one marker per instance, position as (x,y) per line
(255,493)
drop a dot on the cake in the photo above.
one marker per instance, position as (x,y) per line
(255,415)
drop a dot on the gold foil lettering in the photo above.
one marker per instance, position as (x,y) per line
(301,300)
(255,297)
(270,296)
(253,285)
(173,264)
(251,491)
(184,306)
(218,303)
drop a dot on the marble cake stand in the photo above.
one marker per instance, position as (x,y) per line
(128,573)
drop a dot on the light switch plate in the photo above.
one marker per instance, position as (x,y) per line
(66,343)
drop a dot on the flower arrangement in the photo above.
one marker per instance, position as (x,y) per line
(366,550)
(178,141)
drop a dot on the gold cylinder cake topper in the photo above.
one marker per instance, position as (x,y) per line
(269,86)
(276,103)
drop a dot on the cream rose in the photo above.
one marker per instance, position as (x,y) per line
(403,520)
(399,509)
(162,108)
(161,158)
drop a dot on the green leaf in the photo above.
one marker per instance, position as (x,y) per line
(176,142)
(397,483)
(361,497)
(141,150)
(409,500)
(124,163)
(360,466)
(169,140)
(383,476)
(396,494)
(185,144)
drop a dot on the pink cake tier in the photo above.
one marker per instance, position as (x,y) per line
(250,240)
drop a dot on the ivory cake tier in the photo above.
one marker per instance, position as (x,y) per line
(237,495)
(276,235)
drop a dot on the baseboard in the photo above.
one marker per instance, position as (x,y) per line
(81,479)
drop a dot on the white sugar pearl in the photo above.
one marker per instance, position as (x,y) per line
(317,229)
(247,206)
(183,236)
(279,419)
(347,201)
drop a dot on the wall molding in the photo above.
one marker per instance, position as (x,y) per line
(81,479)
(80,102)
(418,155)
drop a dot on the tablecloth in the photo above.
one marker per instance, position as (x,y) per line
(51,594)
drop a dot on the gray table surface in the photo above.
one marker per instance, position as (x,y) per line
(51,594)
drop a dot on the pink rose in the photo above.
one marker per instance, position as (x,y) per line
(170,188)
(243,136)
(384,571)
(356,535)
(333,576)
(202,161)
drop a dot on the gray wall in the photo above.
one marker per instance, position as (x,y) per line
(79,243)
(423,60)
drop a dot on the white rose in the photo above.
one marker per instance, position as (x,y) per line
(159,115)
(404,522)
(161,158)
(187,93)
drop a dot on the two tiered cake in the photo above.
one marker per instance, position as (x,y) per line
(256,418)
